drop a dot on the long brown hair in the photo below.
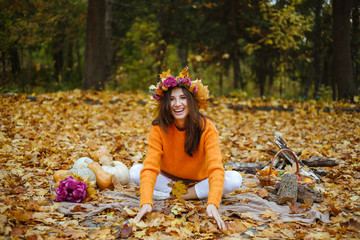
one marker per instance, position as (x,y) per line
(194,124)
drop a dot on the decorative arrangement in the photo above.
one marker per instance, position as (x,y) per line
(78,183)
(201,92)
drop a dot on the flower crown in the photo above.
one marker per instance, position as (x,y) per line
(200,92)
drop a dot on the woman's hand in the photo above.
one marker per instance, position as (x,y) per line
(146,208)
(214,213)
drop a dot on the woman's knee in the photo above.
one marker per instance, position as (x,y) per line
(134,173)
(233,181)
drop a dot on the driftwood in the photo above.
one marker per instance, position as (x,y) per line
(316,161)
(305,193)
(288,188)
(246,167)
(320,171)
(288,156)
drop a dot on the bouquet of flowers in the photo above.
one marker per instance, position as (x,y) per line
(71,190)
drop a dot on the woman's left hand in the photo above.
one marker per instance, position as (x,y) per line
(214,213)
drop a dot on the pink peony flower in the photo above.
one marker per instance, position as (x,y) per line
(70,190)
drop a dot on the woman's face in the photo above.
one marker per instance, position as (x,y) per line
(179,106)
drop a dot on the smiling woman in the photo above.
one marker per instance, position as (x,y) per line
(183,145)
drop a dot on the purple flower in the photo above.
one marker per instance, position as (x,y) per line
(195,89)
(70,190)
(169,82)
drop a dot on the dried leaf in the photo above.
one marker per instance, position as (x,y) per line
(178,189)
(125,231)
(269,214)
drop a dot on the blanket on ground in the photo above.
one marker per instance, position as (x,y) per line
(236,205)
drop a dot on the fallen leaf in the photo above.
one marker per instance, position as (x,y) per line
(130,212)
(269,214)
(263,193)
(125,231)
(78,208)
(296,207)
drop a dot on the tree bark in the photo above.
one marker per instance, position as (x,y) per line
(288,188)
(305,193)
(342,66)
(96,50)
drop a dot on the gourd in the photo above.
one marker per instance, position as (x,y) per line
(103,151)
(58,175)
(119,171)
(103,179)
(83,161)
(83,172)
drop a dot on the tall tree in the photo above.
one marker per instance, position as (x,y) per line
(342,66)
(355,41)
(97,65)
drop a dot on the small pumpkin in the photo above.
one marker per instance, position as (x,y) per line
(120,172)
(103,179)
(83,161)
(83,172)
(103,151)
(60,175)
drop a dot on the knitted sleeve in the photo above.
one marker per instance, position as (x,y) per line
(215,168)
(151,166)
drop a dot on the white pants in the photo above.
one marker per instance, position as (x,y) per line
(232,182)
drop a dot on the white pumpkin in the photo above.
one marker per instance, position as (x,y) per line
(83,161)
(84,172)
(120,172)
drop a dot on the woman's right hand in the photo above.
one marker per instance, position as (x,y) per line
(146,208)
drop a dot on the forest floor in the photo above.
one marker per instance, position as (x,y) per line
(45,133)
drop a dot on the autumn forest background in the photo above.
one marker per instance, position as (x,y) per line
(299,49)
(74,78)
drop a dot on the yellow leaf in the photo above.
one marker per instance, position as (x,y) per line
(140,234)
(269,214)
(165,74)
(130,212)
(178,189)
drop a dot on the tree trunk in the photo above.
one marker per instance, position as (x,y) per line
(235,39)
(15,62)
(57,51)
(317,49)
(343,74)
(356,41)
(96,49)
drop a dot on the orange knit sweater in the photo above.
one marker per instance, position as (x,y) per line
(166,153)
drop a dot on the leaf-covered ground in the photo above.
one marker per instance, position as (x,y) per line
(42,134)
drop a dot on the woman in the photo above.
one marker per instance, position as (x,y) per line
(183,145)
